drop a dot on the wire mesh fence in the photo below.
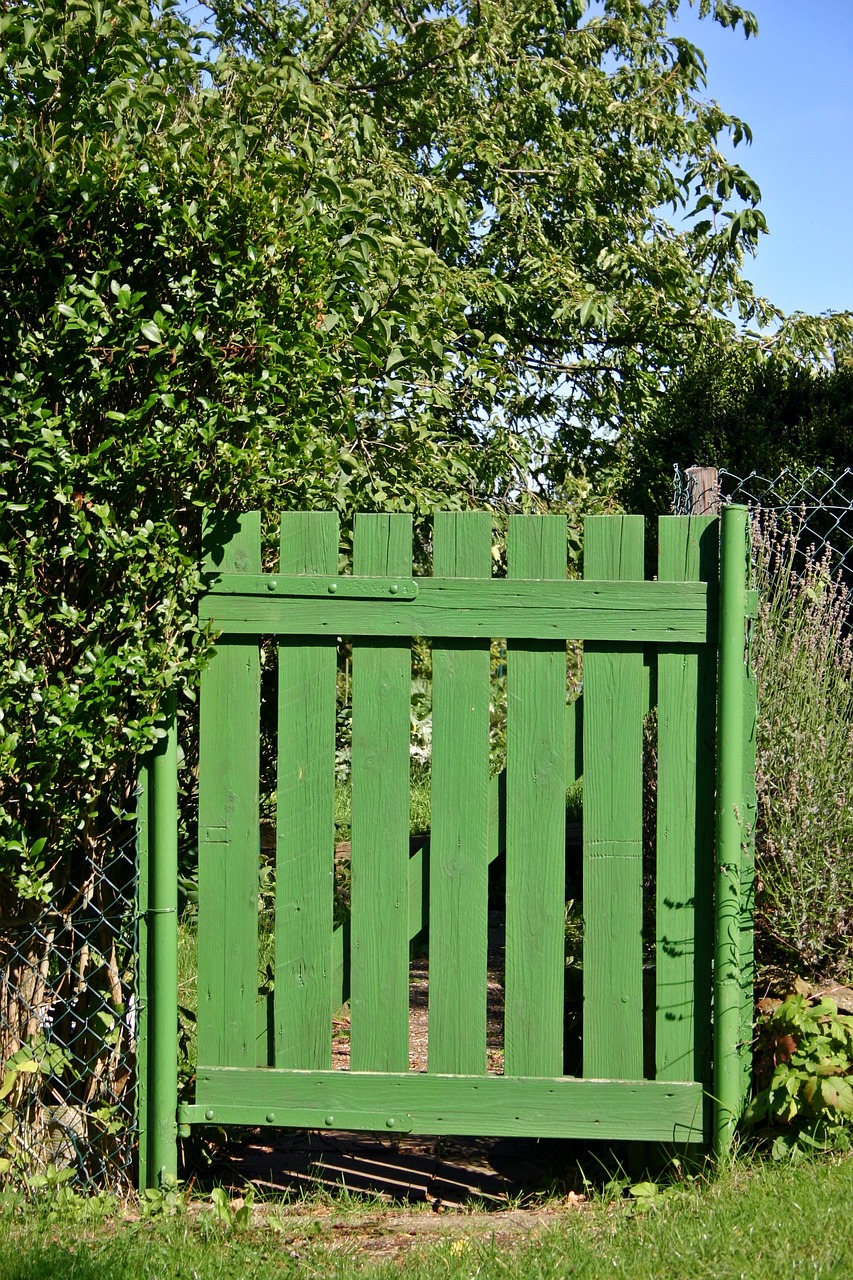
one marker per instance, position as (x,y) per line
(816,507)
(67,1028)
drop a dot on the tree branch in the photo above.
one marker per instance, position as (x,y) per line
(339,44)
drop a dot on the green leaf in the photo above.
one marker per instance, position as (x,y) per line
(838,1094)
(150,331)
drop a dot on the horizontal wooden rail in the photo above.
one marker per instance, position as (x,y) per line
(491,1106)
(629,612)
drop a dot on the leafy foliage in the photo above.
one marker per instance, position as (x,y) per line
(534,151)
(738,407)
(310,256)
(805,1078)
(804,757)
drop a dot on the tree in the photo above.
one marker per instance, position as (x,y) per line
(744,408)
(312,255)
(534,151)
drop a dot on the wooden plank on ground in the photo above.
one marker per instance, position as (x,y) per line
(459,839)
(496,1106)
(536,819)
(305,826)
(229,756)
(686,703)
(381,708)
(613,822)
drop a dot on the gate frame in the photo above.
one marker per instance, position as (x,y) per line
(157,817)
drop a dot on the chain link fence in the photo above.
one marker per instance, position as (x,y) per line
(816,507)
(67,1029)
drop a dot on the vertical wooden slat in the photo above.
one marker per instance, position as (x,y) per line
(381,706)
(459,841)
(229,754)
(536,820)
(613,822)
(305,828)
(685,819)
(747,882)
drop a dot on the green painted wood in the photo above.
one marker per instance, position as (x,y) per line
(418,910)
(747,886)
(644,612)
(315,586)
(381,704)
(305,825)
(459,838)
(492,1106)
(732,688)
(536,820)
(686,723)
(613,821)
(229,736)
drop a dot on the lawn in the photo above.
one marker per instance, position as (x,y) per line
(755,1220)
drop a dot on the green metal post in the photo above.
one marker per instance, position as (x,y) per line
(142,848)
(730,817)
(161,1164)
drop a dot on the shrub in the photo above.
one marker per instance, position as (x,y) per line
(804,774)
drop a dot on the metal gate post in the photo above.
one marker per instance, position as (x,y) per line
(160,1164)
(730,820)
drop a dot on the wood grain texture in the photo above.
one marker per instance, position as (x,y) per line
(685,819)
(305,825)
(497,1106)
(747,883)
(536,819)
(229,754)
(645,612)
(613,822)
(379,926)
(459,840)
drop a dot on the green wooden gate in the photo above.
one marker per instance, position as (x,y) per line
(665,1044)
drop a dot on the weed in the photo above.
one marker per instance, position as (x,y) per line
(804,1073)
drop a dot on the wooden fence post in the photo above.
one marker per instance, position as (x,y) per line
(703,491)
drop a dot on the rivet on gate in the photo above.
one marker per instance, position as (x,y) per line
(330,1120)
(272,584)
(333,586)
(270,1117)
(209,1114)
(393,588)
(390,1122)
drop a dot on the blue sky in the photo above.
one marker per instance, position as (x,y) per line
(794,86)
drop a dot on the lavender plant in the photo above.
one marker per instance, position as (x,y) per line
(803,656)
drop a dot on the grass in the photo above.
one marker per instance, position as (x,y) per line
(753,1221)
